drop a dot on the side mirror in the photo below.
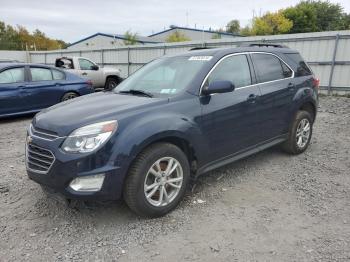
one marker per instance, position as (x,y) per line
(219,86)
(94,67)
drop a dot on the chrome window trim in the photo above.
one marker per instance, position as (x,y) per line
(246,53)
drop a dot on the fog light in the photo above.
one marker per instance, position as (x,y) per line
(87,183)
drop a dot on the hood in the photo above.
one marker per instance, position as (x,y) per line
(64,117)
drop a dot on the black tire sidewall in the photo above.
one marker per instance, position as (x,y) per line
(67,94)
(109,80)
(299,117)
(162,150)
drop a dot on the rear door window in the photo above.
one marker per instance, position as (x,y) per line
(58,75)
(40,74)
(269,68)
(13,75)
(234,69)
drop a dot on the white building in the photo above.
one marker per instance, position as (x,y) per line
(192,34)
(110,41)
(106,41)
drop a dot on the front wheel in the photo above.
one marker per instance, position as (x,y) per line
(299,134)
(157,180)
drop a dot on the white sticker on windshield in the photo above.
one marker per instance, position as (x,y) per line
(168,91)
(200,58)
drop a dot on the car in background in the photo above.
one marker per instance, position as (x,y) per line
(29,88)
(102,78)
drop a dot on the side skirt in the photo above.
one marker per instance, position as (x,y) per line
(242,154)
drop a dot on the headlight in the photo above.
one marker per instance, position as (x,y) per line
(89,138)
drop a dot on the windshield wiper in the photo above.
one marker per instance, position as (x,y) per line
(136,92)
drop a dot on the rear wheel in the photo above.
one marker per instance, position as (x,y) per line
(157,180)
(68,96)
(299,134)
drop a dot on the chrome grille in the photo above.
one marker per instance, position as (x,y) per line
(44,134)
(39,159)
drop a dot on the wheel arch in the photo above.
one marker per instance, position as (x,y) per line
(309,107)
(113,77)
(174,138)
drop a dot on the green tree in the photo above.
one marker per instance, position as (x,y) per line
(18,38)
(130,38)
(347,21)
(315,16)
(245,31)
(9,39)
(177,37)
(271,24)
(233,27)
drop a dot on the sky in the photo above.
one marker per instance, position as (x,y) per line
(72,20)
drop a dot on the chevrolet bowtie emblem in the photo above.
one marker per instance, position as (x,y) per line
(29,139)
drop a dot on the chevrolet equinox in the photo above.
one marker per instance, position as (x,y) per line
(175,118)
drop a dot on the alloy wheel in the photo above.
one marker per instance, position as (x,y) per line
(303,133)
(112,85)
(163,181)
(69,97)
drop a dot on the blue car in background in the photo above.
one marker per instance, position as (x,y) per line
(29,88)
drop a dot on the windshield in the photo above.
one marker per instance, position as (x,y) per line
(163,77)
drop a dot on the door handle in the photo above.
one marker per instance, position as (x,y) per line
(291,86)
(84,74)
(252,98)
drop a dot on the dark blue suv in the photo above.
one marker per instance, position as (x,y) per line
(174,119)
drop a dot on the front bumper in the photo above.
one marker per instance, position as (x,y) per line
(66,167)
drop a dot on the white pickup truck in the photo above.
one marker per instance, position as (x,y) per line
(101,78)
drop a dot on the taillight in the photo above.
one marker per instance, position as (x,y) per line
(89,82)
(316,83)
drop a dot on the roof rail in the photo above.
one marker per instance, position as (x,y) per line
(199,48)
(264,45)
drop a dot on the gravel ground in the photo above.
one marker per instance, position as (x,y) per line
(268,207)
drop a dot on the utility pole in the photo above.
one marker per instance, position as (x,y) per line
(186,18)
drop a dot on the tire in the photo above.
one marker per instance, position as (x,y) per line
(68,96)
(140,176)
(111,83)
(293,145)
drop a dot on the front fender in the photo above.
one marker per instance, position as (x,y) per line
(113,72)
(142,132)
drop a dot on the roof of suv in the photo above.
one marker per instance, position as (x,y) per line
(229,50)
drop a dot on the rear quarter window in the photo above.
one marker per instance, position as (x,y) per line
(302,68)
